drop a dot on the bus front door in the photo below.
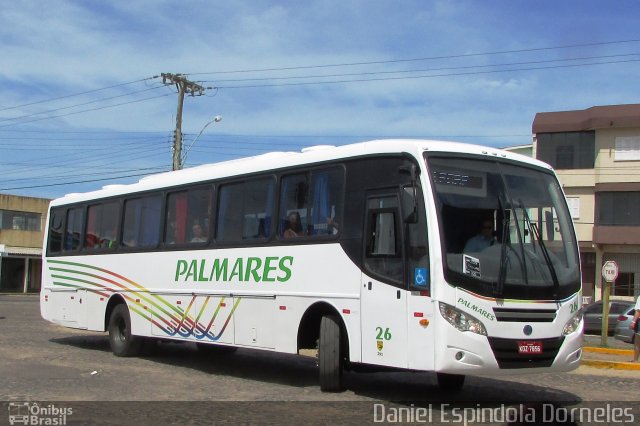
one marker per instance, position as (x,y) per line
(383,302)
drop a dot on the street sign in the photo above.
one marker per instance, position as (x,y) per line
(609,273)
(610,270)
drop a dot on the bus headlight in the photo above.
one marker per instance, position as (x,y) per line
(462,320)
(573,323)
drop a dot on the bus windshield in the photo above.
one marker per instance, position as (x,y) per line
(506,231)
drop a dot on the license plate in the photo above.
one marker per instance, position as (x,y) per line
(526,348)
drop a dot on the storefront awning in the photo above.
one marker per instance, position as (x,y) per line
(20,251)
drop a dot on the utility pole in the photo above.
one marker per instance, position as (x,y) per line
(184,86)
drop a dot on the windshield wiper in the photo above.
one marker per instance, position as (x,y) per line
(506,244)
(527,220)
(502,273)
(535,231)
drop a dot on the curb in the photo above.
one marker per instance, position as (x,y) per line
(611,364)
(615,365)
(608,351)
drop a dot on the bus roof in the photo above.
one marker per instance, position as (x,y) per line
(281,160)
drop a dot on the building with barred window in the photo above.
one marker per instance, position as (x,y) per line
(22,222)
(596,154)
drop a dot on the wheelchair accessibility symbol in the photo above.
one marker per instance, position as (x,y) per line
(420,277)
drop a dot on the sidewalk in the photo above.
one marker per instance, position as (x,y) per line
(616,355)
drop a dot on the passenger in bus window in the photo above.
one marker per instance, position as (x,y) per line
(197,233)
(130,243)
(482,240)
(293,226)
(332,226)
(109,239)
(90,240)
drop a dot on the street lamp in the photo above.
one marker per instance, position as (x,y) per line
(216,119)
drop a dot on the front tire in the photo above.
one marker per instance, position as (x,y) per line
(122,342)
(330,355)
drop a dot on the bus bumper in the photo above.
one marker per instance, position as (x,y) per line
(482,355)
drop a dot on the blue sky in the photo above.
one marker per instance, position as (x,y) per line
(79,107)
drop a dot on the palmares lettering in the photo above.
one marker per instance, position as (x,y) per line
(256,269)
(477,309)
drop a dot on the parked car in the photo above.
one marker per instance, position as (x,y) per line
(593,316)
(623,322)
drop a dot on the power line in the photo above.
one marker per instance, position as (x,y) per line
(309,83)
(547,48)
(339,75)
(80,131)
(56,147)
(73,183)
(73,163)
(121,139)
(363,137)
(463,55)
(420,70)
(204,137)
(78,105)
(87,110)
(76,175)
(82,155)
(79,93)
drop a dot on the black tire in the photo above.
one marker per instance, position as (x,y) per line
(330,355)
(213,350)
(122,342)
(450,382)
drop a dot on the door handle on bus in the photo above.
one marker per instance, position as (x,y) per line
(369,286)
(398,294)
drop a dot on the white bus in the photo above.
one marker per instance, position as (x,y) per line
(358,252)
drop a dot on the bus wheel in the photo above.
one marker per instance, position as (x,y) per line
(450,382)
(330,355)
(122,342)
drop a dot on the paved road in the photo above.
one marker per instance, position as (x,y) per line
(49,364)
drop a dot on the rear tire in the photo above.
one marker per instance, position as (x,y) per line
(450,382)
(330,355)
(122,342)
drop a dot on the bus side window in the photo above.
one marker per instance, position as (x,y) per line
(141,226)
(102,226)
(383,235)
(74,229)
(294,200)
(230,212)
(56,224)
(244,210)
(258,208)
(383,255)
(187,217)
(326,200)
(311,203)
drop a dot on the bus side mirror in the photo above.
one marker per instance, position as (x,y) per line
(409,199)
